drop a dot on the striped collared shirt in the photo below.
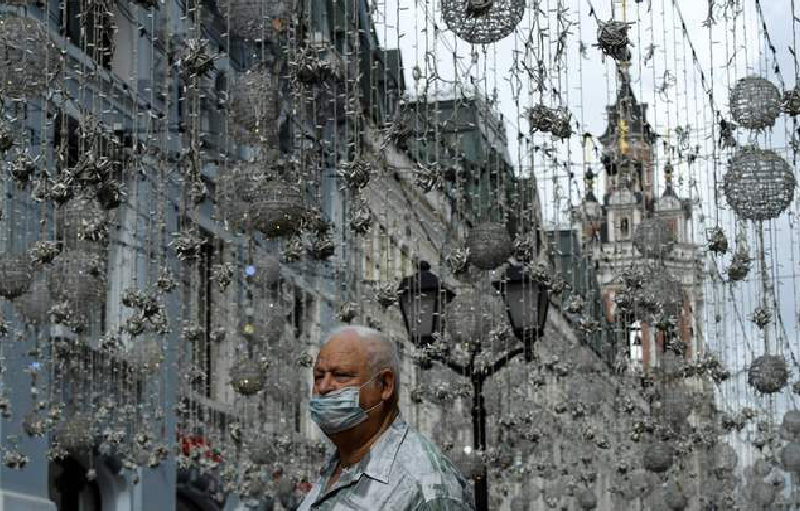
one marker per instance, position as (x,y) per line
(403,471)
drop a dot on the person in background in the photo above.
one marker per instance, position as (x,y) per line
(380,463)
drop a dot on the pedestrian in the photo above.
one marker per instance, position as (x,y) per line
(380,463)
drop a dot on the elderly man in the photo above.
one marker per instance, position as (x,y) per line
(380,463)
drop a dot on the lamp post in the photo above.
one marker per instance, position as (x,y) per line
(526,303)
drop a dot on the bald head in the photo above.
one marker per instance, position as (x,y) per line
(360,353)
(379,351)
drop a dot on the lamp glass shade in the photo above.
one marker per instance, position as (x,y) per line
(420,314)
(522,300)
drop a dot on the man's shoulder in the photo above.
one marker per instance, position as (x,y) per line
(434,474)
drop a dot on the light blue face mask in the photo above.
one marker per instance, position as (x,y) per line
(339,410)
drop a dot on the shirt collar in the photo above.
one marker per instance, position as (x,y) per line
(381,456)
(377,464)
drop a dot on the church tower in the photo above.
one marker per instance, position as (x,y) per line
(612,233)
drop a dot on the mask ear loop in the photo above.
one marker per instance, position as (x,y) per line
(382,385)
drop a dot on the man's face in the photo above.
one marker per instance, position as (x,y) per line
(342,362)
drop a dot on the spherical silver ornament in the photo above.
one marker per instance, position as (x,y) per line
(676,404)
(16,275)
(762,495)
(674,496)
(790,457)
(82,219)
(654,238)
(755,103)
(790,427)
(77,434)
(254,104)
(78,277)
(251,198)
(658,457)
(768,374)
(489,245)
(247,377)
(30,61)
(586,499)
(482,21)
(759,184)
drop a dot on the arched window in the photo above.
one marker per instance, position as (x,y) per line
(624,228)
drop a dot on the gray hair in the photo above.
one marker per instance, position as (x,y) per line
(381,351)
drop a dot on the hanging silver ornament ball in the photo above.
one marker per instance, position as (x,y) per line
(78,277)
(790,458)
(489,245)
(762,495)
(254,196)
(77,434)
(586,499)
(654,238)
(768,374)
(759,184)
(482,21)
(82,219)
(676,404)
(675,497)
(16,275)
(31,61)
(658,457)
(247,377)
(790,427)
(755,103)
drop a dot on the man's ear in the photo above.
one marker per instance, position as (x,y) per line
(388,383)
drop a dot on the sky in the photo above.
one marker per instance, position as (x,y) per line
(666,76)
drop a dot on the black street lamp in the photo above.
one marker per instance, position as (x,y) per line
(527,304)
(422,300)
